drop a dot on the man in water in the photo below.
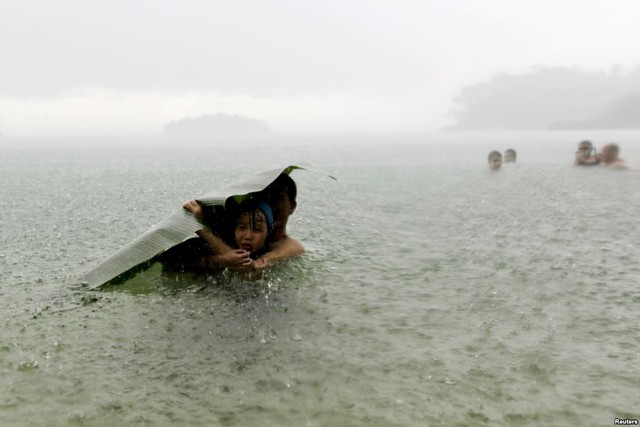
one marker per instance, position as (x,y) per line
(495,160)
(281,195)
(510,156)
(609,157)
(586,156)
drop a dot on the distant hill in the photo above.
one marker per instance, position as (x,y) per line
(217,126)
(550,98)
(623,113)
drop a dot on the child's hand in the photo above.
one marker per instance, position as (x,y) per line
(252,271)
(235,259)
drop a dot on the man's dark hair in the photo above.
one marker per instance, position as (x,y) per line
(282,184)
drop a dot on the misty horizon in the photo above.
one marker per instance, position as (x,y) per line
(589,101)
(366,67)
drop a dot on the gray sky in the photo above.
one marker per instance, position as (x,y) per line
(331,66)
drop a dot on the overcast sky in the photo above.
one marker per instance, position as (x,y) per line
(303,66)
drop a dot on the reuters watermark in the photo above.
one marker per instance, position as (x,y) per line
(625,421)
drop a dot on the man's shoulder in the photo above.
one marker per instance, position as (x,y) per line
(287,241)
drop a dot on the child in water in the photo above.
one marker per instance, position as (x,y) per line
(281,196)
(246,230)
(495,160)
(252,227)
(586,154)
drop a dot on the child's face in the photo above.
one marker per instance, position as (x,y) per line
(251,231)
(585,150)
(495,162)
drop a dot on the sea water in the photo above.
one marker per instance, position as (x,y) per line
(432,292)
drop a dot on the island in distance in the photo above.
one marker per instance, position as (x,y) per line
(556,98)
(217,126)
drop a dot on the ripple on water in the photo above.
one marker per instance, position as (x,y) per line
(432,293)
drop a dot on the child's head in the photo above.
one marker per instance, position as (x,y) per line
(585,149)
(253,225)
(495,160)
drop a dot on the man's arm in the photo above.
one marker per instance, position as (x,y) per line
(224,255)
(283,249)
(587,161)
(239,260)
(217,244)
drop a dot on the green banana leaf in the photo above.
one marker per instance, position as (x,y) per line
(136,256)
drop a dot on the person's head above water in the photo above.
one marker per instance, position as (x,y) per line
(495,160)
(586,155)
(585,145)
(610,153)
(281,194)
(510,156)
(609,156)
(253,225)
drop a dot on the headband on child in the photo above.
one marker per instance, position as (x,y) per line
(268,214)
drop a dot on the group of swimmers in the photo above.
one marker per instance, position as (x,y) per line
(587,155)
(252,235)
(495,158)
(246,237)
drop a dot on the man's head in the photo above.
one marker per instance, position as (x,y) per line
(510,156)
(281,195)
(610,152)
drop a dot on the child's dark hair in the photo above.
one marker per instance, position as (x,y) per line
(234,210)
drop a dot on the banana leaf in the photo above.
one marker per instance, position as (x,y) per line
(137,255)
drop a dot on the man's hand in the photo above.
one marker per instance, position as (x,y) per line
(195,209)
(261,264)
